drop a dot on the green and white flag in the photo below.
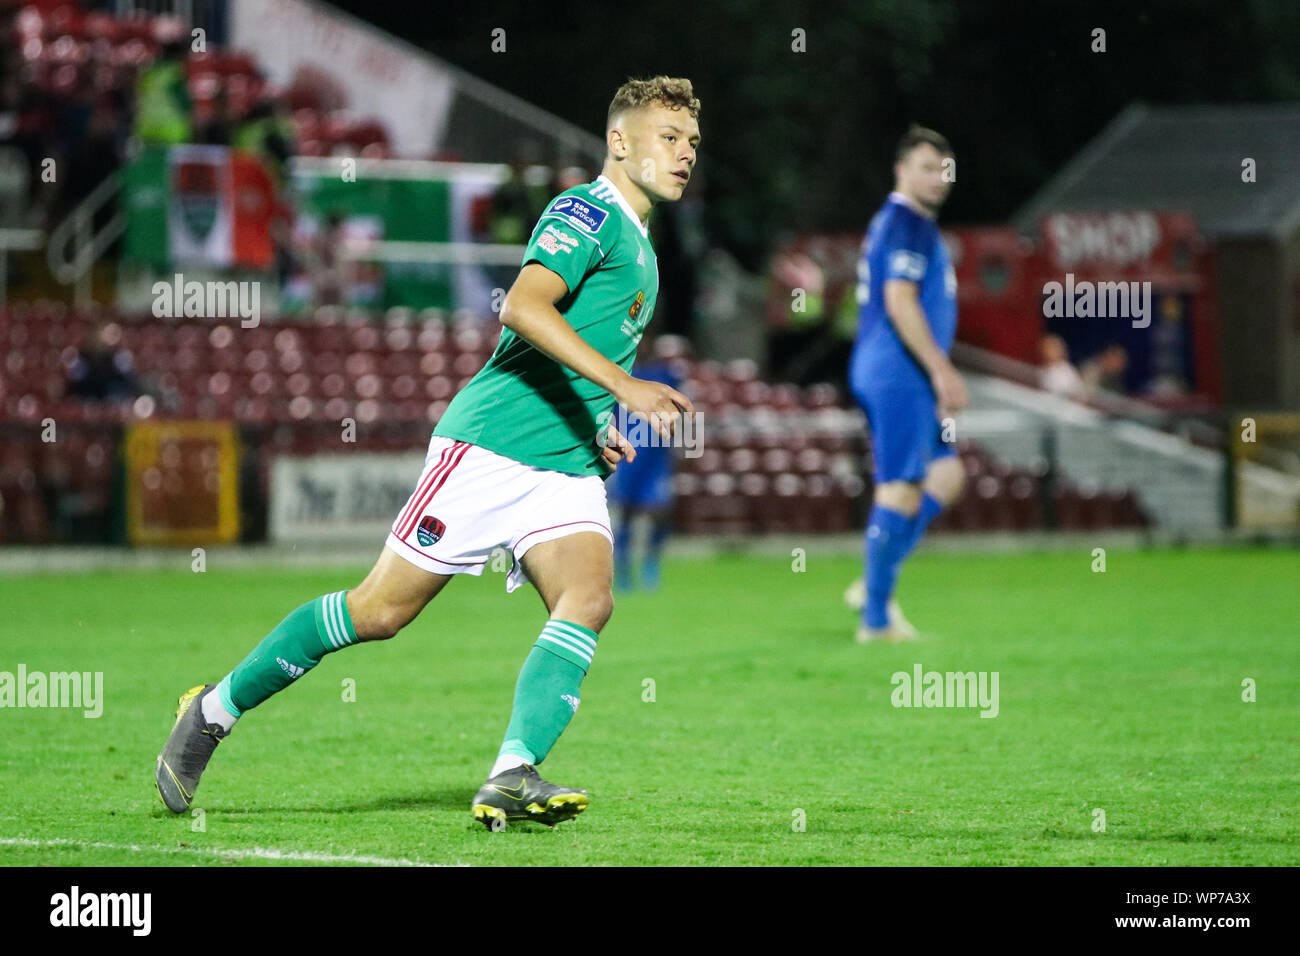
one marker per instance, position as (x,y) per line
(200,206)
(199,222)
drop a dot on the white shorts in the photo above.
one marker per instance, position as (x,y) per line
(470,501)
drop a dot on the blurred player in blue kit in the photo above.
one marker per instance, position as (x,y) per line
(901,375)
(643,486)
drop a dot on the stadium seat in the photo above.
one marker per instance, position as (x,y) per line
(1023,492)
(743,461)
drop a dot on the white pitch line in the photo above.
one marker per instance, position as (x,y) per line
(256,853)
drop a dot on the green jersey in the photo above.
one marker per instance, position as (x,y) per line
(525,405)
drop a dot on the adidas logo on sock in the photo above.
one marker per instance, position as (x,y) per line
(571,701)
(293,671)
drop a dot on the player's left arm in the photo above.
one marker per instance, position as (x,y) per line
(529,311)
(903,306)
(907,260)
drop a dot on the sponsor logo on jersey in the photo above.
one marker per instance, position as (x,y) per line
(548,243)
(582,214)
(561,235)
(555,240)
(430,531)
(907,265)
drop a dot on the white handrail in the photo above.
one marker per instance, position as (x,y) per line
(453,253)
(87,246)
(1115,405)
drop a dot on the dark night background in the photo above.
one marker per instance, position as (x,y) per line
(804,140)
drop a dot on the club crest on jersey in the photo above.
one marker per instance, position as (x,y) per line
(430,531)
(582,214)
(631,326)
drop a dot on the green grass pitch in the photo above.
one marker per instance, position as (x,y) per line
(771,738)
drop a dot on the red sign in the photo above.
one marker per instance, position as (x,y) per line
(1119,241)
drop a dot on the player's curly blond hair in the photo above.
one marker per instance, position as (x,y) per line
(673,92)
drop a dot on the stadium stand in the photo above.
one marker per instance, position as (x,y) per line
(79,66)
(778,457)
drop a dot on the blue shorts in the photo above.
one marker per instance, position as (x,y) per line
(640,488)
(906,434)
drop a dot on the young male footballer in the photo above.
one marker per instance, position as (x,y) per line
(519,461)
(901,375)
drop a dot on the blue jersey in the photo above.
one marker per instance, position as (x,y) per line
(900,244)
(647,481)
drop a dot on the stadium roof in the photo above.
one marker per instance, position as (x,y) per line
(1186,158)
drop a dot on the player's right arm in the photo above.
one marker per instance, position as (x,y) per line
(529,311)
(903,305)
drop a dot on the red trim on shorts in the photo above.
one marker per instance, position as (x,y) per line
(564,524)
(420,486)
(452,462)
(429,557)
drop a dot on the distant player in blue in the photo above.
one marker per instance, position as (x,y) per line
(901,375)
(643,485)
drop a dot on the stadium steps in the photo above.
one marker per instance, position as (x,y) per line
(1180,484)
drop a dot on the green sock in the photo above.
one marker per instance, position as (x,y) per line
(295,646)
(546,695)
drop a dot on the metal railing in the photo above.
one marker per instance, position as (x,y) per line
(1195,429)
(1176,462)
(87,245)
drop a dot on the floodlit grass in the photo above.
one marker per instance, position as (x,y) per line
(771,738)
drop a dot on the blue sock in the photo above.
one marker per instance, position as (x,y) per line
(930,508)
(888,540)
(623,553)
(659,531)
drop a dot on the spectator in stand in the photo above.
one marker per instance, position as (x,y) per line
(267,131)
(1166,386)
(74,107)
(219,128)
(33,129)
(103,371)
(1105,370)
(162,98)
(326,263)
(796,313)
(516,206)
(1058,376)
(92,160)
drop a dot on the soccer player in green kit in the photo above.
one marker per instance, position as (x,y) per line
(518,461)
